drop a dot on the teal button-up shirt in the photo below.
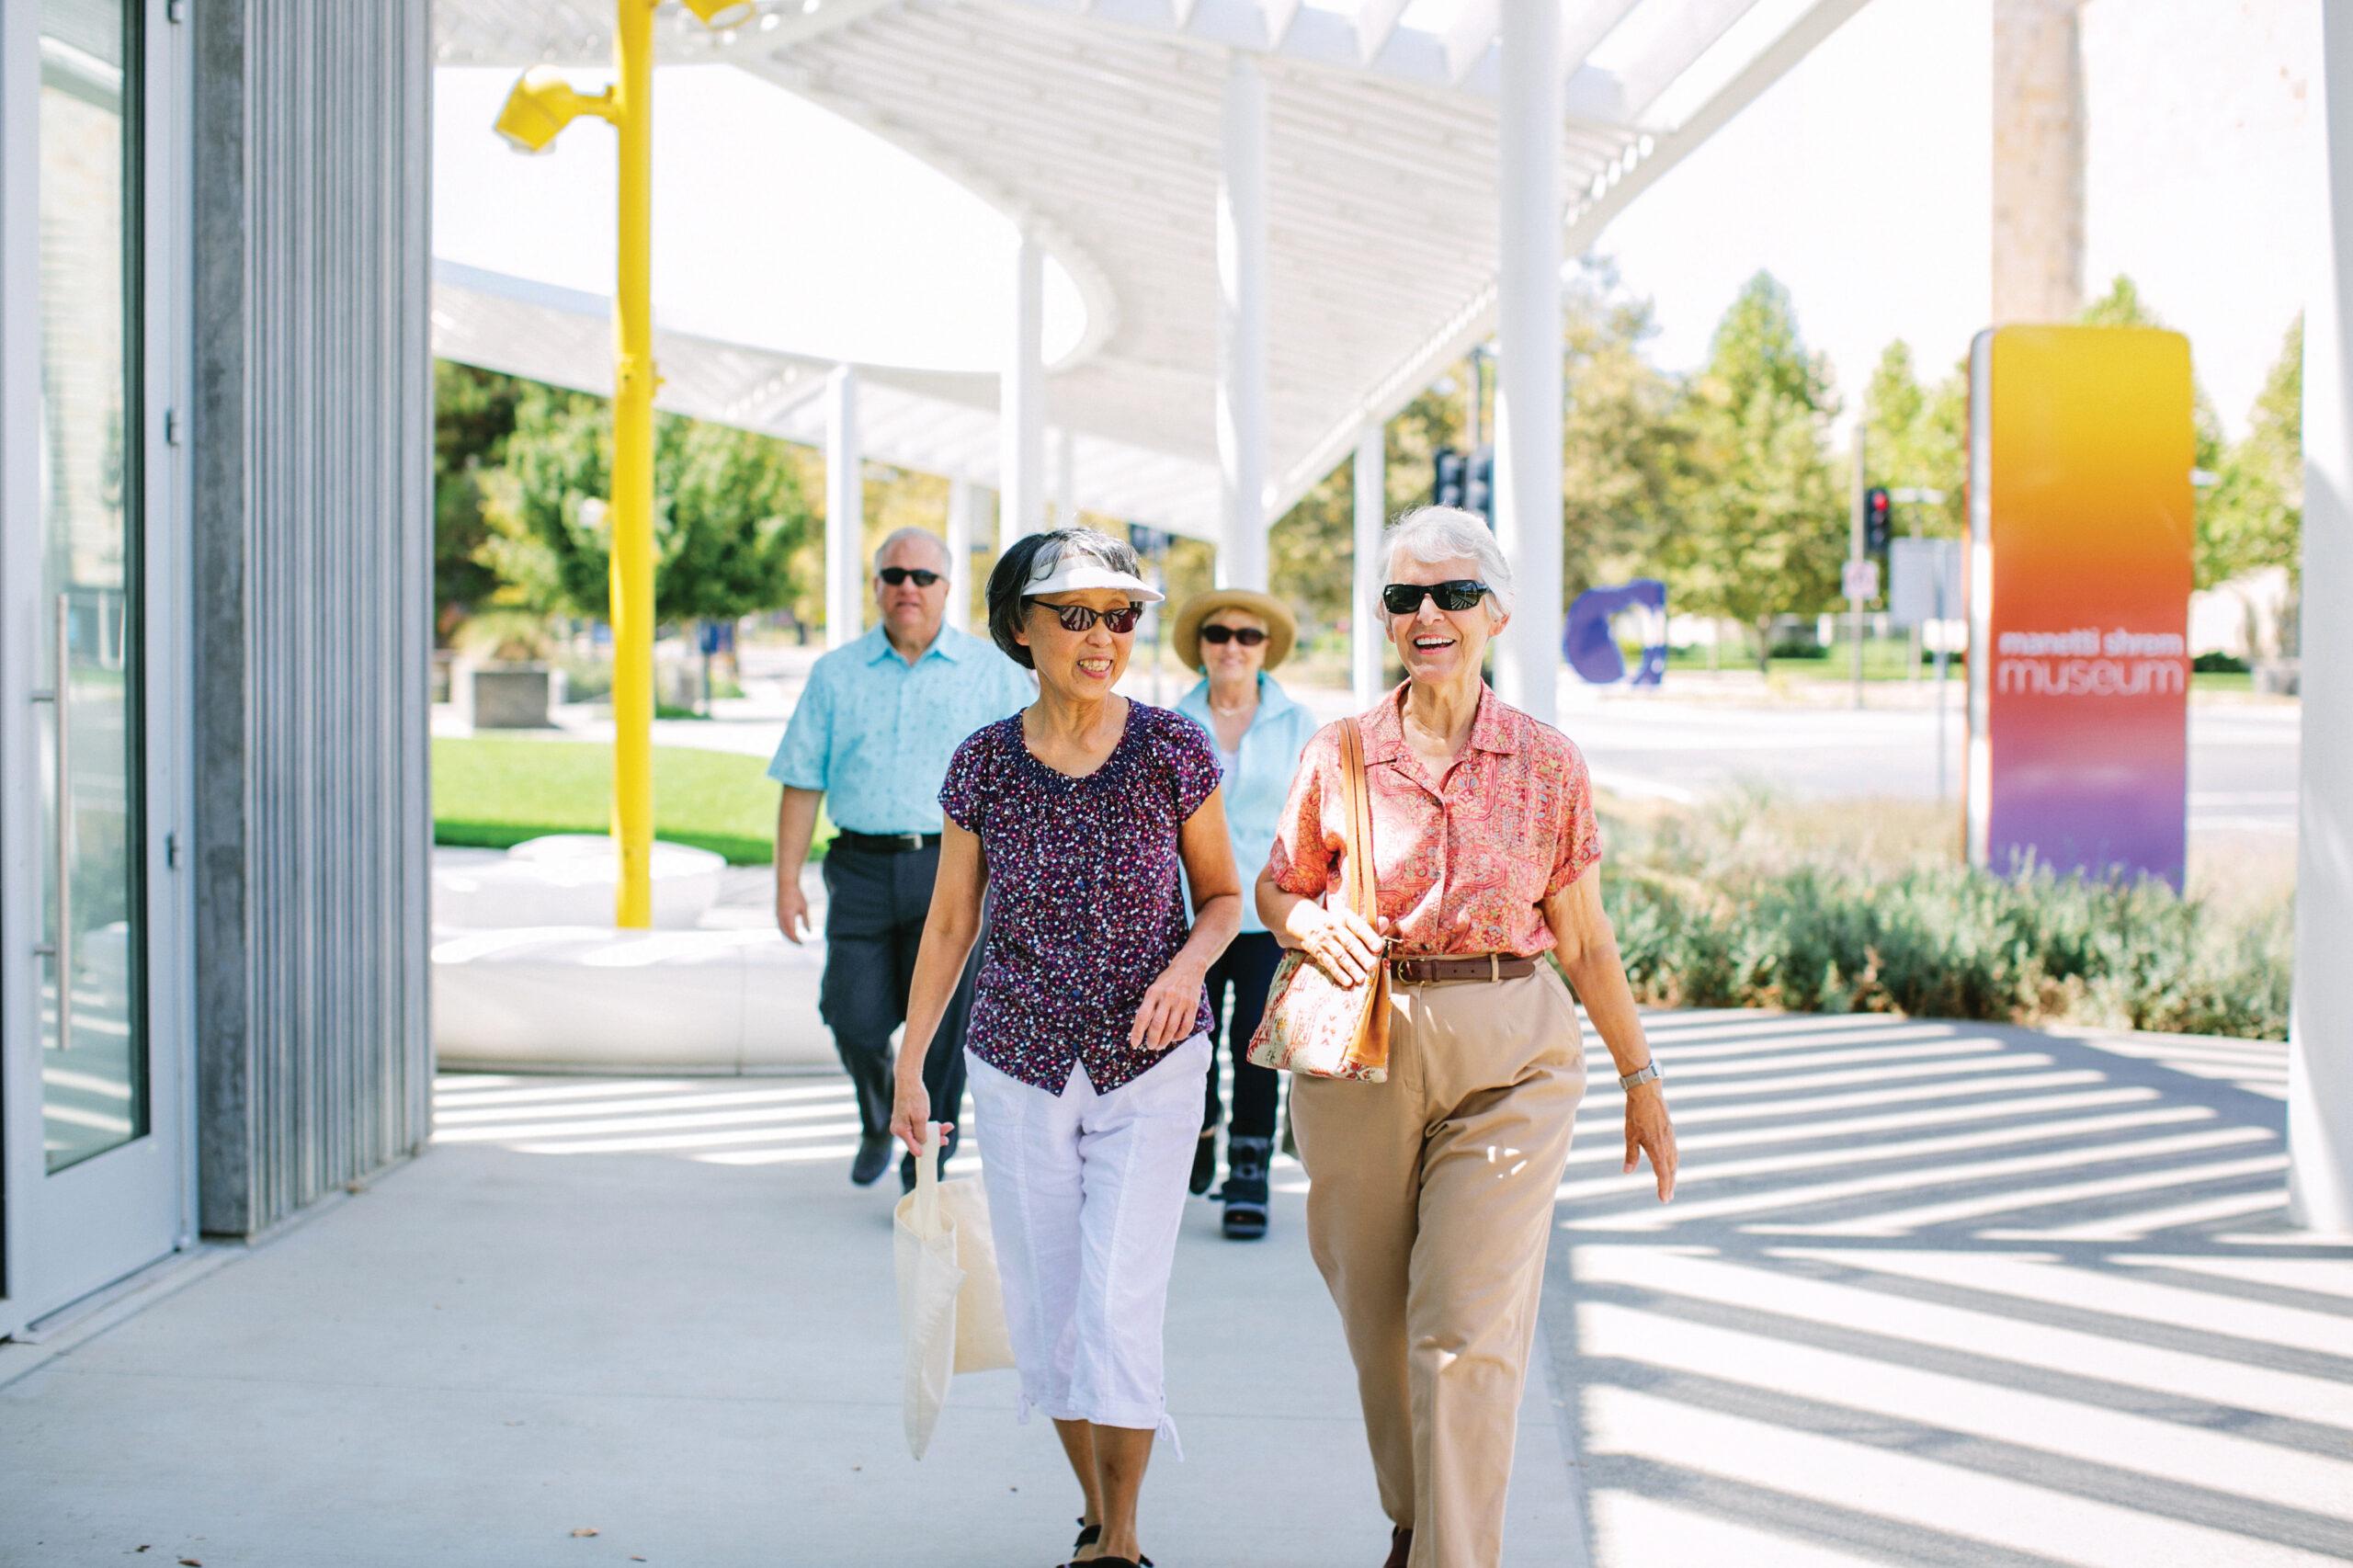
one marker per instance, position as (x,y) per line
(875,733)
(1260,783)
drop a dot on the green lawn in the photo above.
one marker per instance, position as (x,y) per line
(492,793)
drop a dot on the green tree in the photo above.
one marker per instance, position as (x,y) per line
(729,513)
(1761,528)
(1623,450)
(2258,512)
(1311,549)
(473,413)
(1917,436)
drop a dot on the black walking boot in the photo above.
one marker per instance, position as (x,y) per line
(873,1158)
(1204,1163)
(1246,1160)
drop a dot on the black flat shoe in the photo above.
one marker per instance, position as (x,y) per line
(1401,1547)
(1088,1535)
(1204,1163)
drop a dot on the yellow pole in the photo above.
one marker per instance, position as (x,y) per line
(632,507)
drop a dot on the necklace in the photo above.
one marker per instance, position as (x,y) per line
(1234,711)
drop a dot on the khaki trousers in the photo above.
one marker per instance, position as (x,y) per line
(1429,1214)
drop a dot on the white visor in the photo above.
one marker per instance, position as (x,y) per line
(1078,570)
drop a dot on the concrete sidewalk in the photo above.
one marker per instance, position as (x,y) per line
(1931,1295)
(656,1308)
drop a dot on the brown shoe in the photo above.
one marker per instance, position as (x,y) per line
(1401,1547)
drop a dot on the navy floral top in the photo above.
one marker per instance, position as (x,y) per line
(1088,903)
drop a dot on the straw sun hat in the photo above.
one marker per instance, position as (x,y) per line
(1282,628)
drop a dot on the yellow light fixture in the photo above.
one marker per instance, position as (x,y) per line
(720,13)
(542,103)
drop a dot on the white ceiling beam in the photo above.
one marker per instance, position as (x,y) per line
(1473,34)
(1279,15)
(1688,31)
(1376,23)
(1586,28)
(1475,321)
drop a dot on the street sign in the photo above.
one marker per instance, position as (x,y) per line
(1862,580)
(2079,615)
(1922,581)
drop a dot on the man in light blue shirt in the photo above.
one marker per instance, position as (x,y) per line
(872,736)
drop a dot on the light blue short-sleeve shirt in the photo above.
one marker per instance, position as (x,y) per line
(875,733)
(1258,776)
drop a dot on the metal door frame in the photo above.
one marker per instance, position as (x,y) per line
(50,1253)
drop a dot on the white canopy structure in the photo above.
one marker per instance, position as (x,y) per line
(1284,218)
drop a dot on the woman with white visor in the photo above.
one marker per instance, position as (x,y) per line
(1089,1033)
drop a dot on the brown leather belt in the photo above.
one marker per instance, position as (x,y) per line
(1448,971)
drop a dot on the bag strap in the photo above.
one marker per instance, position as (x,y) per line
(926,1214)
(1356,834)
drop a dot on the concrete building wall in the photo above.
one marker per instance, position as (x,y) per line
(312,563)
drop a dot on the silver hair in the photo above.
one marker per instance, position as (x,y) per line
(1449,533)
(900,536)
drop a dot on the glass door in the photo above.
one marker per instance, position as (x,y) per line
(109,1196)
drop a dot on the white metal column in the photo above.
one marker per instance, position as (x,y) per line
(1365,619)
(1021,402)
(1065,478)
(2320,1051)
(844,512)
(1527,381)
(960,554)
(1242,330)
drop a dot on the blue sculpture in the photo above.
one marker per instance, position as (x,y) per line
(1591,645)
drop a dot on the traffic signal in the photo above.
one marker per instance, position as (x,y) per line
(1449,473)
(1479,484)
(1878,519)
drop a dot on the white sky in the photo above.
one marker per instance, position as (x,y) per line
(1862,180)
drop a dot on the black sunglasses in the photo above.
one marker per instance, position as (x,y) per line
(894,575)
(1248,636)
(1078,618)
(1405,598)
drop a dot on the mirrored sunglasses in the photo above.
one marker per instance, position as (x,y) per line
(894,575)
(1459,594)
(1079,617)
(1248,636)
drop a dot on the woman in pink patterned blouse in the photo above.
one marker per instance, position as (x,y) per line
(1433,1191)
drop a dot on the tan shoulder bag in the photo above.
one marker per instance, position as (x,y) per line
(1313,1023)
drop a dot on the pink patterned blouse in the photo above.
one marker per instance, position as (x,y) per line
(1463,863)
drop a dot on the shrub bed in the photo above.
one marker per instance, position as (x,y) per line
(1717,913)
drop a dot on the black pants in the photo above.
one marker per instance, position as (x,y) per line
(875,905)
(1246,970)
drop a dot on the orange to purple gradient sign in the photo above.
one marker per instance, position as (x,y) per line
(2079,578)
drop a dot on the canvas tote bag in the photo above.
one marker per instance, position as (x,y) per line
(1313,1023)
(951,1310)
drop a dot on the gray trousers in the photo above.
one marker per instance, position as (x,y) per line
(875,906)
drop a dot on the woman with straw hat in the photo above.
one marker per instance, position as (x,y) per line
(1235,637)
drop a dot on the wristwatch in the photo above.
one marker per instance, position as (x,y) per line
(1647,1072)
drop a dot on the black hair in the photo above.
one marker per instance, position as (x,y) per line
(1031,560)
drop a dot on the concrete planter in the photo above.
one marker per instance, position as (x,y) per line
(2276,678)
(506,696)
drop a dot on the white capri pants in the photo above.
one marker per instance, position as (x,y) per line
(1086,1193)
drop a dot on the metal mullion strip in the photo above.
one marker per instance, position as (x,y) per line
(342,1046)
(416,233)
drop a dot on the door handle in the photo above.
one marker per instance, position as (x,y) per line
(61,951)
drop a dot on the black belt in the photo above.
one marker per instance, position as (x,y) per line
(1432,971)
(885,843)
